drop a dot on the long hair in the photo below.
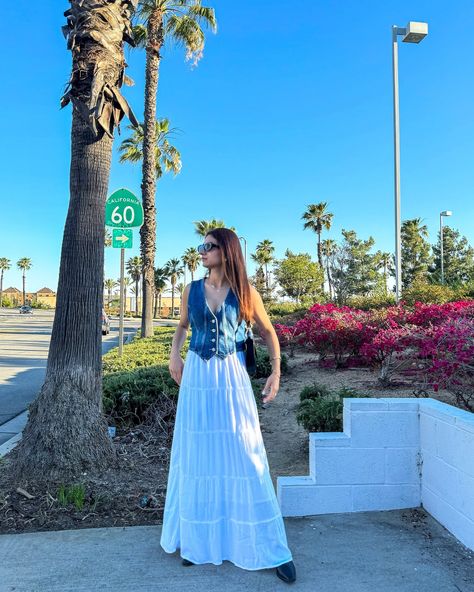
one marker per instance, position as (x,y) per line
(234,269)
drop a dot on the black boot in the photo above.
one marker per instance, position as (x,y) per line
(186,562)
(286,572)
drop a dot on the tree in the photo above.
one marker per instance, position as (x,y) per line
(24,264)
(386,263)
(109,285)
(179,22)
(299,277)
(66,434)
(173,271)
(161,277)
(202,227)
(134,270)
(265,250)
(354,269)
(5,265)
(191,260)
(328,250)
(317,218)
(458,259)
(416,257)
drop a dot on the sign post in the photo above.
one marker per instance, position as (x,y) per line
(123,211)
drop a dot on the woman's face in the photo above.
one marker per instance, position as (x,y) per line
(212,258)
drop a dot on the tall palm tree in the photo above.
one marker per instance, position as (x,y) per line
(167,159)
(174,271)
(161,277)
(5,265)
(66,434)
(179,22)
(126,283)
(24,264)
(134,270)
(191,259)
(328,250)
(386,263)
(266,249)
(317,218)
(202,227)
(109,285)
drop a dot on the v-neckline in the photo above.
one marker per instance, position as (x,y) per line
(207,303)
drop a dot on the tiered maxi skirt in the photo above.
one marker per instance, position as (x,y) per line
(220,500)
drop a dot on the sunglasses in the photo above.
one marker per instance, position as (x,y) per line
(206,247)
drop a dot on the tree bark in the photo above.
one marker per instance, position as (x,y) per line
(66,433)
(148,230)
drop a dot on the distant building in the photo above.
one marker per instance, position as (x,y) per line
(43,296)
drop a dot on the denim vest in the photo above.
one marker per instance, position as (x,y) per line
(216,334)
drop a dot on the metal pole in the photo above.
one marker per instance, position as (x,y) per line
(396,134)
(122,300)
(441,246)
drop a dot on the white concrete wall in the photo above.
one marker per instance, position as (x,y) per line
(394,453)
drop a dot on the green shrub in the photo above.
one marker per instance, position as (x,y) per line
(315,391)
(128,394)
(371,302)
(320,409)
(264,366)
(428,293)
(142,352)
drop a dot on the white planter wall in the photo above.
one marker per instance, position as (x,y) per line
(394,453)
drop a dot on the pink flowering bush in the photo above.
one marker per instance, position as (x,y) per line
(432,344)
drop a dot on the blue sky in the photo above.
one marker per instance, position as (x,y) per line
(287,108)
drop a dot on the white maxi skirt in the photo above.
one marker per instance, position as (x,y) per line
(220,500)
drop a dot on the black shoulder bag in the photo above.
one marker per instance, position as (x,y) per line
(250,353)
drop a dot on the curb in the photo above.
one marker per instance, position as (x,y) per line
(17,423)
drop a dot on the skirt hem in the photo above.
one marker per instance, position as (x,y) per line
(228,559)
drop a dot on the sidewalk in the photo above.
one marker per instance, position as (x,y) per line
(355,552)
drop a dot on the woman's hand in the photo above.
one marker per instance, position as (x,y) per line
(271,387)
(176,367)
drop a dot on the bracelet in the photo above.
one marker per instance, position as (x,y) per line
(276,358)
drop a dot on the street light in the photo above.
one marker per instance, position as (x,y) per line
(413,33)
(441,214)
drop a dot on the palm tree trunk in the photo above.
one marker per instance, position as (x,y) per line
(172,301)
(136,298)
(1,289)
(329,278)
(66,434)
(72,392)
(148,230)
(159,306)
(24,291)
(155,310)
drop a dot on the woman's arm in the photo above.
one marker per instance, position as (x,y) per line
(176,362)
(266,330)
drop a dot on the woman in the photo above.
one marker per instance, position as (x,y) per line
(220,501)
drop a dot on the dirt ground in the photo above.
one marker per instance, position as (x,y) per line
(135,494)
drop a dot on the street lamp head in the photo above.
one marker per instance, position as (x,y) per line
(446,213)
(415,32)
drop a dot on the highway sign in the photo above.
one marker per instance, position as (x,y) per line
(122,238)
(123,210)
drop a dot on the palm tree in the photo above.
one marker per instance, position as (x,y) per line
(202,227)
(191,259)
(107,238)
(5,265)
(24,265)
(174,271)
(167,158)
(126,282)
(316,218)
(266,249)
(385,260)
(109,286)
(328,250)
(66,434)
(134,270)
(161,277)
(179,22)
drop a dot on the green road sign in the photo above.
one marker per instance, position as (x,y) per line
(123,210)
(122,238)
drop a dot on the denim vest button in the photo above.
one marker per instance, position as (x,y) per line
(213,321)
(213,349)
(213,330)
(212,339)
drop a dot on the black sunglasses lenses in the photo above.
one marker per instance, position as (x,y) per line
(206,247)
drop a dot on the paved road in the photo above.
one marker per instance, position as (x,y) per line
(24,344)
